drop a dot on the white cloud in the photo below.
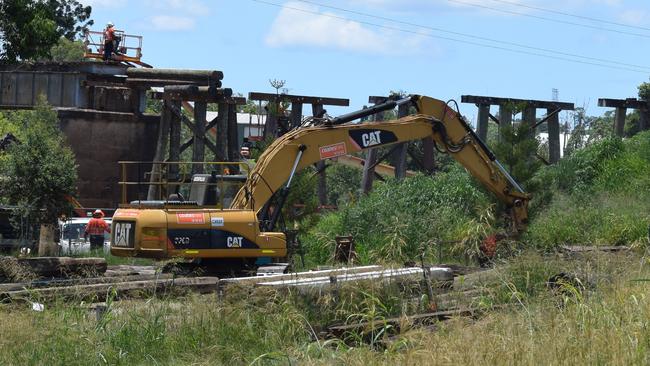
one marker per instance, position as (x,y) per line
(491,8)
(490,3)
(404,4)
(175,15)
(610,2)
(171,23)
(314,28)
(634,17)
(192,7)
(420,5)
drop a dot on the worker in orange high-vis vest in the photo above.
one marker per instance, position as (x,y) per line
(109,37)
(96,228)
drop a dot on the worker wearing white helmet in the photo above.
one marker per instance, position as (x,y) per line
(96,228)
(109,37)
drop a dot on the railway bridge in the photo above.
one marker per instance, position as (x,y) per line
(101,108)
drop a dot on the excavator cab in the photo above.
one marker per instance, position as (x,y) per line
(215,190)
(190,218)
(172,184)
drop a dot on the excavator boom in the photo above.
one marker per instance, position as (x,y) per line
(246,230)
(434,119)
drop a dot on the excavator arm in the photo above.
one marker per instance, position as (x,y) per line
(305,146)
(233,238)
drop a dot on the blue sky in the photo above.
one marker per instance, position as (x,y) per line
(330,48)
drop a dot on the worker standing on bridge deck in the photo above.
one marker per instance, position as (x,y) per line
(109,37)
(96,228)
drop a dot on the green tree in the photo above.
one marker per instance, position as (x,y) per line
(602,127)
(343,183)
(644,91)
(517,151)
(632,123)
(39,173)
(153,106)
(30,28)
(250,107)
(578,138)
(67,51)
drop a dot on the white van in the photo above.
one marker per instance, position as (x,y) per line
(71,239)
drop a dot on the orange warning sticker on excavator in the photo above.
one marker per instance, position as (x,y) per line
(190,218)
(126,213)
(332,151)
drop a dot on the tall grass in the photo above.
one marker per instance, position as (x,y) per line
(598,196)
(604,324)
(196,329)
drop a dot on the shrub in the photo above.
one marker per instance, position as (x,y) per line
(599,195)
(400,220)
(343,184)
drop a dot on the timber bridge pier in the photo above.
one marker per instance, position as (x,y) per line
(102,112)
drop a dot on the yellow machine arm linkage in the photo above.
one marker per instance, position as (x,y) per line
(305,146)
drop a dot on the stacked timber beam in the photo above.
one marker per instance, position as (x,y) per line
(144,281)
(275,121)
(529,117)
(180,87)
(259,280)
(119,289)
(164,77)
(45,267)
(622,105)
(328,279)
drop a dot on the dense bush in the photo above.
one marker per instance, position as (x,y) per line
(400,221)
(598,195)
(343,184)
(578,172)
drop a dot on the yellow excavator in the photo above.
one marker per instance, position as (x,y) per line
(247,230)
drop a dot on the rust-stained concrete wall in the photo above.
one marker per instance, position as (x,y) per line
(101,139)
(100,114)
